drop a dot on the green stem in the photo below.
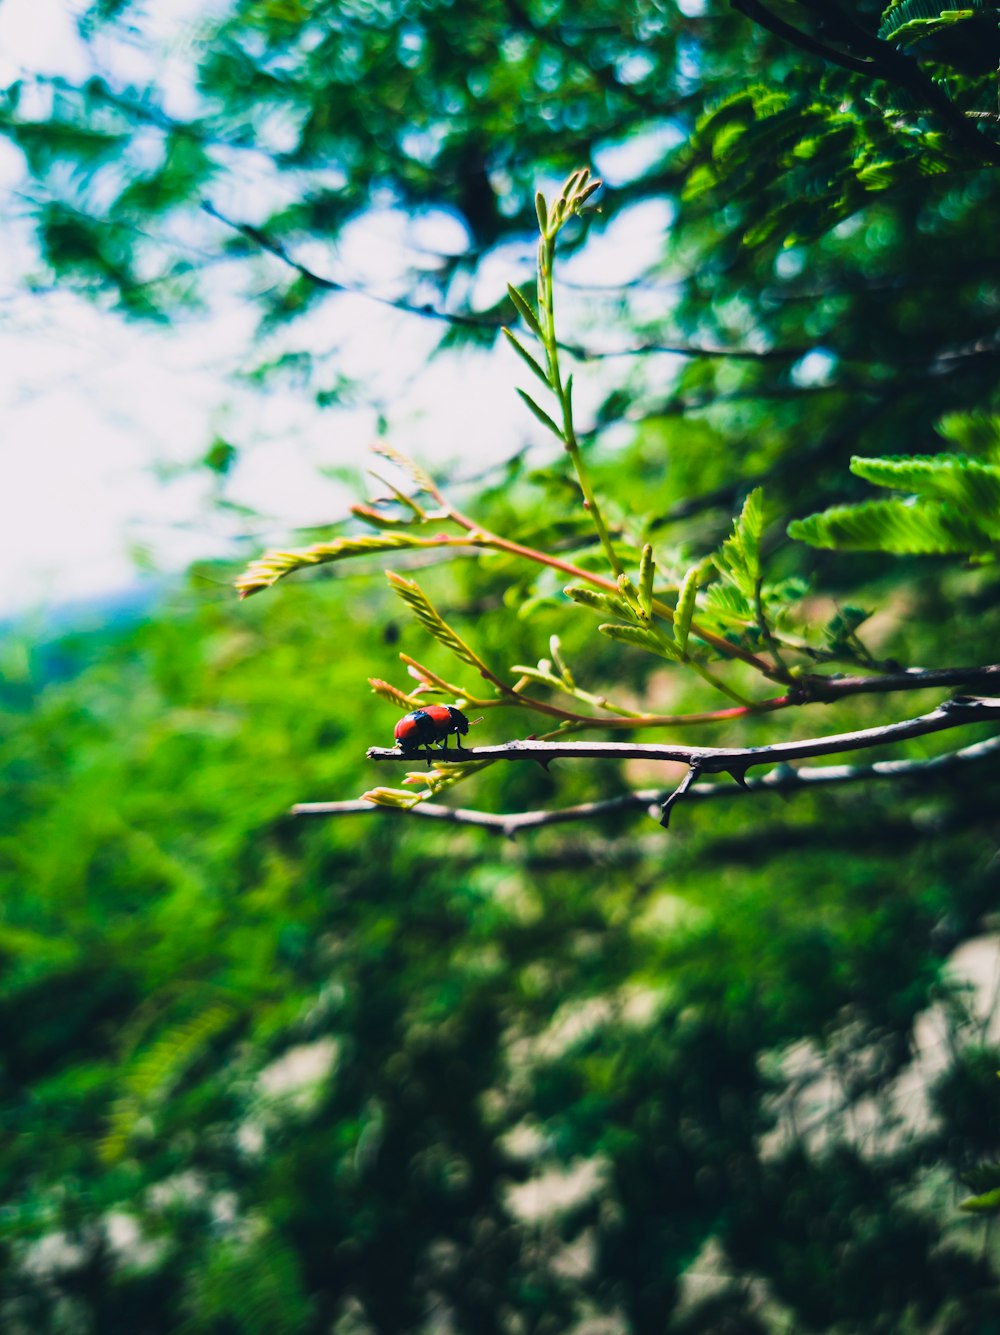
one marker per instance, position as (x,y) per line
(546,256)
(712,680)
(478,536)
(769,639)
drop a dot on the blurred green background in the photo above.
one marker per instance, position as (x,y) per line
(261,1075)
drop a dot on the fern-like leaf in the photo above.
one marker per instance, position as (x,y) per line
(386,691)
(643,639)
(898,526)
(276,564)
(686,604)
(391,797)
(912,20)
(971,485)
(604,603)
(978,432)
(739,558)
(428,616)
(403,461)
(726,604)
(631,599)
(157,1069)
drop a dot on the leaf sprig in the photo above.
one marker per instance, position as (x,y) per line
(711,615)
(953,508)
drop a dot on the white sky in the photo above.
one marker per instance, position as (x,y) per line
(96,413)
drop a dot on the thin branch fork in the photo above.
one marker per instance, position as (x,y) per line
(734,761)
(783,779)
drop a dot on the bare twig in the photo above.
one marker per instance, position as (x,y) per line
(276,248)
(726,759)
(783,779)
(734,761)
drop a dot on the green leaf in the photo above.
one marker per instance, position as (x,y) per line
(276,564)
(972,485)
(647,569)
(988,1203)
(630,597)
(726,604)
(526,357)
(643,638)
(903,527)
(739,558)
(428,616)
(523,308)
(158,1068)
(604,603)
(913,20)
(541,414)
(686,604)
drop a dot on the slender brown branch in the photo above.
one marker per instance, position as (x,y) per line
(687,350)
(980,348)
(726,759)
(276,248)
(827,689)
(512,698)
(757,13)
(783,779)
(483,537)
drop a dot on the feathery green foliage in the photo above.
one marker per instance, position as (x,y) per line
(954,509)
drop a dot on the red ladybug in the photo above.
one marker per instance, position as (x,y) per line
(428,726)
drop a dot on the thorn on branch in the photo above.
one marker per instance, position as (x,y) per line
(691,777)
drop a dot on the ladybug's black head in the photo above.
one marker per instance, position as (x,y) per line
(459,722)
